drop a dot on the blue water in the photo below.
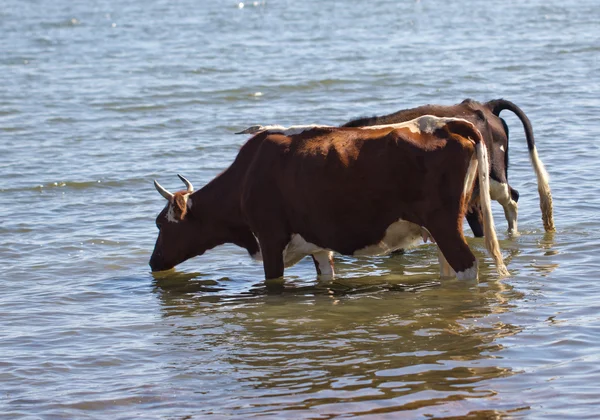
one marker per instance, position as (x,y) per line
(98,99)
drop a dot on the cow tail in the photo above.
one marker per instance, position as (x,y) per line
(546,206)
(491,240)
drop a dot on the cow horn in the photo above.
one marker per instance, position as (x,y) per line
(162,191)
(188,184)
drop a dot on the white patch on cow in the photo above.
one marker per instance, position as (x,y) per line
(171,211)
(501,193)
(502,147)
(470,177)
(424,124)
(171,214)
(297,129)
(279,129)
(297,249)
(446,271)
(469,273)
(324,260)
(399,235)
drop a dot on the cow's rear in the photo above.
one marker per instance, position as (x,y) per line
(351,190)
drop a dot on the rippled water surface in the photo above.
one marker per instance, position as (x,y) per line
(97,99)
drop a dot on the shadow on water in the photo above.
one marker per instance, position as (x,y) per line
(357,345)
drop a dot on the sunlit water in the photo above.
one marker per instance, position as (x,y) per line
(97,99)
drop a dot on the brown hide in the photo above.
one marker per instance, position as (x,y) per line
(485,118)
(341,189)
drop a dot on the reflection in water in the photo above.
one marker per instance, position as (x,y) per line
(352,346)
(548,245)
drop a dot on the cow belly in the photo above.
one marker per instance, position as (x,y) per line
(294,251)
(297,249)
(399,235)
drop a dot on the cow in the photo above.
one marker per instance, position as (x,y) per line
(485,116)
(357,191)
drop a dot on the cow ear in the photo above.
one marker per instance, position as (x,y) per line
(180,206)
(480,114)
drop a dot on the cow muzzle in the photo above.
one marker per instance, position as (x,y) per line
(158,264)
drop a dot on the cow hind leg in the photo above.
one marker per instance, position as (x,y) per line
(501,192)
(445,270)
(324,263)
(475,220)
(454,254)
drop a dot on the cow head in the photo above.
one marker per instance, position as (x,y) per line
(181,232)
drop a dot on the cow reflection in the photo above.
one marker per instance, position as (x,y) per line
(357,345)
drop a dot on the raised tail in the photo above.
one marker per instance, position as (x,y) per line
(498,105)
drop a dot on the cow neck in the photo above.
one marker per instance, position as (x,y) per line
(218,202)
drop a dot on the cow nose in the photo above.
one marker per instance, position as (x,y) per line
(155,262)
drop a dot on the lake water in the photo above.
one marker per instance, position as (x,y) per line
(97,99)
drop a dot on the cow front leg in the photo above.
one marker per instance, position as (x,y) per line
(272,255)
(324,263)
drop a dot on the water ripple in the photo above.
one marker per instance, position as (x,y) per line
(97,101)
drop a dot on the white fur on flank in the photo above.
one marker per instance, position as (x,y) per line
(400,234)
(501,193)
(544,191)
(491,241)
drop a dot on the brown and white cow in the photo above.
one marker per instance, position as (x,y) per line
(356,191)
(485,116)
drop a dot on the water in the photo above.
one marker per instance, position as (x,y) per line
(97,99)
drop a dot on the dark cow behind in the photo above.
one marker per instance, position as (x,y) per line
(485,116)
(357,191)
